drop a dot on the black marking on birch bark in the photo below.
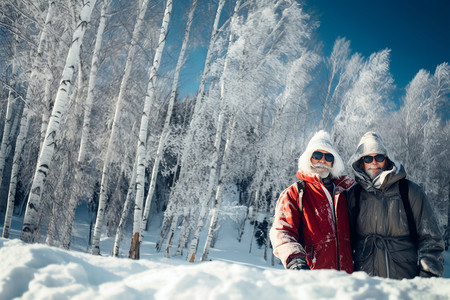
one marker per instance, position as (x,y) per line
(35,191)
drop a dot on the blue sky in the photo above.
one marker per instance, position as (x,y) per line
(417,32)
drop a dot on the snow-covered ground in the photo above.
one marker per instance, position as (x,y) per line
(41,272)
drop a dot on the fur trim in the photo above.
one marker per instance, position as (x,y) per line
(321,140)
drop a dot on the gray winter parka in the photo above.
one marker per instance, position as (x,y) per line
(381,239)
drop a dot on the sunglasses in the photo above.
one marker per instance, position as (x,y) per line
(317,155)
(379,158)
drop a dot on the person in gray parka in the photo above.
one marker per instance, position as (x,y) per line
(383,244)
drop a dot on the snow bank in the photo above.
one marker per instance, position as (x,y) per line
(42,272)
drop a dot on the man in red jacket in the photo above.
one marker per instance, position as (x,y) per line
(314,233)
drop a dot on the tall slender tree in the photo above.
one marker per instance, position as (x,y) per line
(30,223)
(120,103)
(92,80)
(140,216)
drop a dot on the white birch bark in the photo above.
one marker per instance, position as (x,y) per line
(25,119)
(213,175)
(166,127)
(69,220)
(140,217)
(185,229)
(269,216)
(92,80)
(207,66)
(6,137)
(6,140)
(164,228)
(30,225)
(171,234)
(20,142)
(199,98)
(219,194)
(46,103)
(112,139)
(125,211)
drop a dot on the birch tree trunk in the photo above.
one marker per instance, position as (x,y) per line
(47,105)
(92,80)
(6,137)
(184,232)
(6,140)
(25,119)
(30,223)
(219,194)
(199,98)
(171,234)
(269,218)
(214,171)
(20,142)
(69,219)
(207,66)
(139,216)
(112,139)
(125,212)
(169,213)
(166,128)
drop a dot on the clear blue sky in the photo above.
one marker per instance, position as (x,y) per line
(417,32)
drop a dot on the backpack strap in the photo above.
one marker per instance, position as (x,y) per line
(357,197)
(403,186)
(354,213)
(300,188)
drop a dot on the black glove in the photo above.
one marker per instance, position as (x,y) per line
(297,263)
(426,274)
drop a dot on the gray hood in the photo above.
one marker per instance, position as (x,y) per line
(371,143)
(383,181)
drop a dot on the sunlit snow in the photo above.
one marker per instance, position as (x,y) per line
(41,272)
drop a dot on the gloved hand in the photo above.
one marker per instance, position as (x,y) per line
(297,263)
(426,274)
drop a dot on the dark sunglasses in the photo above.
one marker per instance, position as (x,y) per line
(317,155)
(379,158)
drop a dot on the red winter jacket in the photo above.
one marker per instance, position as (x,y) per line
(326,242)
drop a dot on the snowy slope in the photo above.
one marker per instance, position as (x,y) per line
(41,272)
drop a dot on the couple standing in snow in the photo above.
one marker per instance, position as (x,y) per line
(383,224)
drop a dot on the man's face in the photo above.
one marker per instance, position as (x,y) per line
(321,163)
(373,164)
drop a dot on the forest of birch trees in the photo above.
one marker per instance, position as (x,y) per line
(163,110)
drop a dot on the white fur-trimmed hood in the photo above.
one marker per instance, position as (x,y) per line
(321,140)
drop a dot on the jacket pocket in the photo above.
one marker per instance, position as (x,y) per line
(403,256)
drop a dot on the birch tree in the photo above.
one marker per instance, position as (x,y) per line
(92,79)
(27,111)
(30,224)
(219,193)
(125,212)
(120,103)
(196,128)
(140,216)
(357,115)
(166,129)
(214,168)
(6,137)
(336,83)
